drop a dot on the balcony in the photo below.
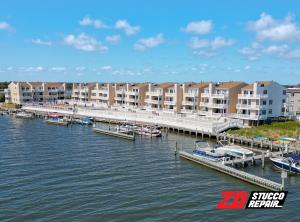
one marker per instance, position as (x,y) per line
(190,94)
(251,116)
(252,96)
(118,98)
(214,105)
(189,103)
(131,100)
(153,101)
(172,103)
(120,91)
(132,93)
(170,94)
(250,107)
(154,93)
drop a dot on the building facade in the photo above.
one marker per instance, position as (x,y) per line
(192,96)
(135,95)
(261,101)
(155,96)
(35,92)
(220,99)
(293,101)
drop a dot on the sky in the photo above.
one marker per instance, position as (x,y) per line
(150,41)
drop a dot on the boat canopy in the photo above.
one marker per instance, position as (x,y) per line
(288,139)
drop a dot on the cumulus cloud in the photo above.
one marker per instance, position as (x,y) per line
(268,28)
(41,42)
(113,39)
(214,44)
(147,43)
(85,43)
(257,50)
(87,21)
(4,26)
(126,27)
(199,27)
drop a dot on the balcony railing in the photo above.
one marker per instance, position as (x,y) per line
(251,116)
(189,103)
(214,105)
(154,93)
(250,107)
(170,94)
(252,96)
(166,102)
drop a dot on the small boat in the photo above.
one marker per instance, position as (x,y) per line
(286,163)
(148,131)
(53,115)
(24,115)
(204,150)
(57,121)
(235,151)
(86,121)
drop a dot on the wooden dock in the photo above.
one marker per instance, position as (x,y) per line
(114,133)
(258,181)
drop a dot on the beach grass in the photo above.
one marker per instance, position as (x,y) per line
(274,130)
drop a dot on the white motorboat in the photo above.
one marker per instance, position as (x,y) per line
(24,115)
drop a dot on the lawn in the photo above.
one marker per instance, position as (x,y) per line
(274,130)
(9,105)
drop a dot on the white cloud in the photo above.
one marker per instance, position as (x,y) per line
(57,69)
(28,69)
(209,45)
(41,42)
(150,42)
(256,51)
(126,27)
(80,68)
(113,39)
(268,28)
(85,43)
(4,26)
(87,21)
(106,68)
(199,27)
(247,67)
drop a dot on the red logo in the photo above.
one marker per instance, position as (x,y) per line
(233,200)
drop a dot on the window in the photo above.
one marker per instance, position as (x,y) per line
(263,112)
(270,102)
(284,92)
(264,102)
(262,85)
(270,111)
(265,92)
(283,101)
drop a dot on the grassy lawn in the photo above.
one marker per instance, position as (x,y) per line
(274,130)
(9,105)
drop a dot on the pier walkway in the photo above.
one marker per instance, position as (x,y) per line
(250,178)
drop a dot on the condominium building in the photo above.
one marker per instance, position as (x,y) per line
(103,94)
(155,96)
(135,95)
(35,92)
(172,98)
(220,99)
(120,94)
(192,96)
(82,91)
(293,101)
(260,101)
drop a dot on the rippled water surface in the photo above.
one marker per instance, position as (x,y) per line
(50,173)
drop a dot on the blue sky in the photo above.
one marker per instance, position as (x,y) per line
(136,41)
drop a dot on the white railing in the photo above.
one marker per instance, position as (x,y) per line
(252,96)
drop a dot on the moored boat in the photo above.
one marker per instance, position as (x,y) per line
(235,151)
(86,121)
(204,150)
(24,115)
(57,121)
(286,163)
(148,131)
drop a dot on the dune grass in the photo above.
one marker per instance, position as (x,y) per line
(273,130)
